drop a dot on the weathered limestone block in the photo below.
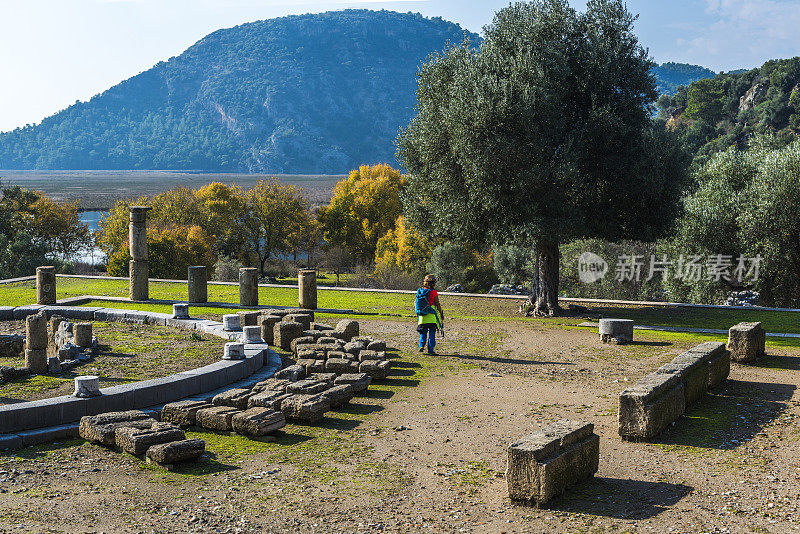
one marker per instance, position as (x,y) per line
(746,341)
(252,334)
(230,322)
(692,371)
(340,365)
(366,355)
(268,399)
(180,311)
(166,454)
(377,345)
(258,421)
(233,351)
(249,317)
(268,323)
(324,377)
(36,361)
(545,463)
(618,330)
(285,333)
(303,341)
(235,398)
(182,413)
(316,334)
(307,289)
(719,367)
(377,369)
(302,318)
(650,405)
(293,373)
(346,329)
(216,417)
(305,408)
(139,273)
(248,286)
(101,428)
(136,441)
(354,347)
(86,386)
(36,332)
(307,364)
(53,365)
(46,285)
(273,384)
(82,332)
(359,382)
(198,284)
(317,367)
(307,386)
(321,327)
(339,395)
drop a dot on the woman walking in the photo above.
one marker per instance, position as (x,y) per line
(430,316)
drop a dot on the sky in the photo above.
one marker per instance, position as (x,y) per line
(54,52)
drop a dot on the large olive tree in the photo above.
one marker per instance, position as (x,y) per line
(542,134)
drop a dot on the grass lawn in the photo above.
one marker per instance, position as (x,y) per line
(396,304)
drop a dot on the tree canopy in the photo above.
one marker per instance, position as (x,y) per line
(541,135)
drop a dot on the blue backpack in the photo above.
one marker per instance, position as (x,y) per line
(422,304)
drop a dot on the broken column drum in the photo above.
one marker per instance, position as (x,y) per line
(137,239)
(87,386)
(180,311)
(46,285)
(619,330)
(198,283)
(307,289)
(248,286)
(36,343)
(82,334)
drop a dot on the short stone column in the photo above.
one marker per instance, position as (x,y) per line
(233,351)
(198,283)
(307,288)
(36,343)
(137,239)
(180,311)
(616,330)
(87,386)
(46,285)
(248,286)
(231,322)
(82,333)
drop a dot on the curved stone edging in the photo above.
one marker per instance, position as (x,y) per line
(61,411)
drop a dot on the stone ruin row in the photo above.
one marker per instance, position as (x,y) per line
(50,350)
(140,435)
(651,404)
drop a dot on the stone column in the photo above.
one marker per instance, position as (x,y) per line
(46,285)
(137,239)
(82,334)
(198,284)
(248,286)
(36,343)
(307,288)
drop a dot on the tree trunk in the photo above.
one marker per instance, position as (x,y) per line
(545,296)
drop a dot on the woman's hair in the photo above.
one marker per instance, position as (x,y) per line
(429,282)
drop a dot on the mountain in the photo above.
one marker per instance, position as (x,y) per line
(315,94)
(670,76)
(732,108)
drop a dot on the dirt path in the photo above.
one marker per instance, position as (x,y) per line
(425,452)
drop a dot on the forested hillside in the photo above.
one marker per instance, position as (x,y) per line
(301,94)
(670,76)
(730,109)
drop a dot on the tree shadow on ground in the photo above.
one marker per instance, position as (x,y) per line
(392,381)
(287,439)
(650,343)
(619,498)
(376,394)
(207,465)
(360,409)
(776,361)
(337,423)
(730,416)
(37,451)
(500,359)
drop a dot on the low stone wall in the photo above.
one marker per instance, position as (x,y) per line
(61,411)
(652,403)
(545,463)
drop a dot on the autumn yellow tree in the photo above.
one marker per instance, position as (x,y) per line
(274,214)
(402,248)
(364,207)
(171,251)
(58,226)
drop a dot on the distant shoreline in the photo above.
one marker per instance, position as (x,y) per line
(98,190)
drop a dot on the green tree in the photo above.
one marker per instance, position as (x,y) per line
(705,101)
(544,133)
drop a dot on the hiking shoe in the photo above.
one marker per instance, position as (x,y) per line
(421,349)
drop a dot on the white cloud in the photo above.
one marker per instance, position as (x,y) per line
(745,33)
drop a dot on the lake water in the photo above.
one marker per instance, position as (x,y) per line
(98,190)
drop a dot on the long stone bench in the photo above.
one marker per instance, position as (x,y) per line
(550,460)
(17,420)
(656,400)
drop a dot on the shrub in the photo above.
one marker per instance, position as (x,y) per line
(227,269)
